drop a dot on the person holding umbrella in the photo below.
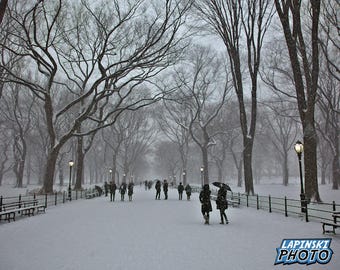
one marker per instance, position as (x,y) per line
(222,204)
(206,202)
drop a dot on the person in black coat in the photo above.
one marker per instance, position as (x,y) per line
(158,190)
(188,191)
(122,191)
(165,189)
(206,202)
(180,189)
(106,188)
(222,204)
(130,191)
(113,188)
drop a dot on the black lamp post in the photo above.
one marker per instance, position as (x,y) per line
(299,149)
(184,177)
(70,164)
(202,174)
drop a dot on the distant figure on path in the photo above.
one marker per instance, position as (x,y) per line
(165,189)
(130,191)
(180,189)
(222,204)
(122,191)
(206,203)
(106,188)
(113,188)
(158,190)
(188,191)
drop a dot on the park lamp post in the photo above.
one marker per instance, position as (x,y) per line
(184,176)
(110,174)
(202,173)
(298,147)
(70,164)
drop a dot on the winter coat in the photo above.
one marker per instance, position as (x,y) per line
(180,188)
(122,189)
(165,187)
(205,199)
(221,200)
(158,186)
(130,189)
(113,187)
(188,189)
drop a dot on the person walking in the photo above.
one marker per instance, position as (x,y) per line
(122,191)
(180,189)
(158,190)
(205,202)
(130,191)
(106,188)
(222,204)
(165,189)
(113,188)
(188,191)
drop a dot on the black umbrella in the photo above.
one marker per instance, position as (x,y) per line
(219,185)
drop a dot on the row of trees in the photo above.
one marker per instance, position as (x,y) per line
(76,78)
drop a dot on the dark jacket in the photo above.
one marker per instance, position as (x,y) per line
(130,189)
(113,187)
(165,186)
(122,188)
(158,186)
(221,200)
(205,199)
(188,189)
(180,188)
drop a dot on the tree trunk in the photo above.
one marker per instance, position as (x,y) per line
(239,173)
(61,172)
(310,161)
(205,165)
(323,175)
(114,167)
(79,163)
(285,170)
(335,172)
(247,163)
(49,170)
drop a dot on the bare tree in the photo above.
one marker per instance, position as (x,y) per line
(173,121)
(305,67)
(103,67)
(229,19)
(203,91)
(329,84)
(138,132)
(282,129)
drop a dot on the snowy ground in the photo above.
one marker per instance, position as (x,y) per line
(146,234)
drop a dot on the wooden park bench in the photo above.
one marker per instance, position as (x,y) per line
(91,194)
(333,224)
(25,208)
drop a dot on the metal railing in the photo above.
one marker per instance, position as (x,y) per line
(289,207)
(46,199)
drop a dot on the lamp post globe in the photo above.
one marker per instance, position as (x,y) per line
(110,174)
(70,164)
(298,147)
(202,175)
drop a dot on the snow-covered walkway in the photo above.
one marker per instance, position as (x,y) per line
(146,234)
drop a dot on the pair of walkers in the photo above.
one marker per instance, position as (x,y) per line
(221,203)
